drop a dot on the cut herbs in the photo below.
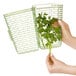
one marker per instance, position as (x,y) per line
(48,30)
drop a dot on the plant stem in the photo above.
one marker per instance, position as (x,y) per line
(50,47)
(42,41)
(49,51)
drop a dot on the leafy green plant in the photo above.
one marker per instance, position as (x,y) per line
(48,29)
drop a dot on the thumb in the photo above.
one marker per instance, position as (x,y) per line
(61,23)
(53,58)
(50,59)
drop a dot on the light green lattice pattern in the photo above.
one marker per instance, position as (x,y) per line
(53,10)
(22,29)
(22,26)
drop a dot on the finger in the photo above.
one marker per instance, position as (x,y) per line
(61,23)
(64,26)
(53,58)
(49,60)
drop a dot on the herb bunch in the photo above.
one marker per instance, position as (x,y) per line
(48,29)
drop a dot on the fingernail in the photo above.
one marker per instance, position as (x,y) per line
(59,21)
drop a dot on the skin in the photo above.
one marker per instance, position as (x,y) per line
(62,68)
(67,38)
(52,62)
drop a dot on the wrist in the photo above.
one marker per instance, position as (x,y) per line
(71,41)
(65,69)
(70,70)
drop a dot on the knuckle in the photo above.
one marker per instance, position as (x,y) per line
(50,70)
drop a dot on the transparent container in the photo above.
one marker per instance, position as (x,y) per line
(53,10)
(23,30)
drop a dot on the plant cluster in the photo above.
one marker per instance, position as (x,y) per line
(48,29)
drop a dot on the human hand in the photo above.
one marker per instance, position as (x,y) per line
(54,65)
(66,34)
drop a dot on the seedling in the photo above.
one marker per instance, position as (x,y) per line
(48,30)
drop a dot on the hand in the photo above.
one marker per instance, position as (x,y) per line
(54,65)
(66,34)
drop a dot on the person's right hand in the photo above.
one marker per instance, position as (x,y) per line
(56,66)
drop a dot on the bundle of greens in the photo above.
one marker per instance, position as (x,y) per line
(48,30)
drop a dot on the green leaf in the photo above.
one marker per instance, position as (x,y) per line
(54,20)
(49,17)
(45,14)
(40,30)
(50,33)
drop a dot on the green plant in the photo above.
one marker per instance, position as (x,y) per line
(48,29)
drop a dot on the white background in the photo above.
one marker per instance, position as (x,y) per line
(33,64)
